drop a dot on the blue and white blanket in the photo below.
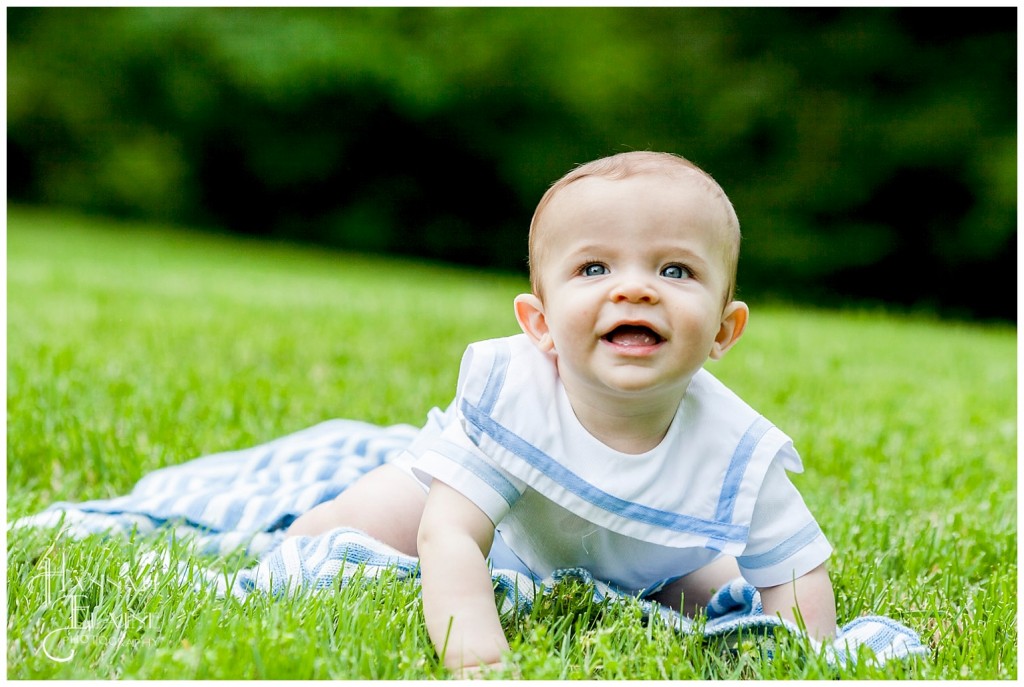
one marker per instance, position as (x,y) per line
(246,500)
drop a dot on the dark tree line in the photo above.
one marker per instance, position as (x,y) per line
(870,152)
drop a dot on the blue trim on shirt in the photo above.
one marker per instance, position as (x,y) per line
(738,467)
(588,492)
(487,474)
(802,538)
(495,378)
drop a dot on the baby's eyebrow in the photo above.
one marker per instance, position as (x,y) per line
(680,253)
(696,258)
(588,249)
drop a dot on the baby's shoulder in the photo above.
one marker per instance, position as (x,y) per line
(497,359)
(712,395)
(509,366)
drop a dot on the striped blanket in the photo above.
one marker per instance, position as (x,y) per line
(246,499)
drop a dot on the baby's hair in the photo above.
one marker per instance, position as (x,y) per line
(621,166)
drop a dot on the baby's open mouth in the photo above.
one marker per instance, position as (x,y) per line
(633,335)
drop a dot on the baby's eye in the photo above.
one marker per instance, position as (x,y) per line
(676,272)
(594,269)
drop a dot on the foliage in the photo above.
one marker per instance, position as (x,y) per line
(125,355)
(856,143)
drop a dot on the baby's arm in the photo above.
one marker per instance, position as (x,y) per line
(811,595)
(458,593)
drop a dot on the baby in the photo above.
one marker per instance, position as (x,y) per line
(596,439)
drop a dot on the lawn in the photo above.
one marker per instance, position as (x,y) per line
(133,347)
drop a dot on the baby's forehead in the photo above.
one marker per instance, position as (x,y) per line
(670,179)
(577,197)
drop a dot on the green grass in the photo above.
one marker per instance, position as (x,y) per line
(134,347)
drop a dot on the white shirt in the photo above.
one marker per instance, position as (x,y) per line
(560,498)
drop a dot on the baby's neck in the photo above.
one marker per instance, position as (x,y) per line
(631,427)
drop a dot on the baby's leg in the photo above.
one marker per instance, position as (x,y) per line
(386,503)
(697,588)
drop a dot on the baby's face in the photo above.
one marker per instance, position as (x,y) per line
(634,275)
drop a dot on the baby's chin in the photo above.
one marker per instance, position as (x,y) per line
(638,383)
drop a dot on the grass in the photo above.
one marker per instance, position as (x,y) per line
(135,347)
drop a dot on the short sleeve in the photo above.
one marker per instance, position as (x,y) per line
(785,542)
(459,463)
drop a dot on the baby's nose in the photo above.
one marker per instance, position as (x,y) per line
(634,290)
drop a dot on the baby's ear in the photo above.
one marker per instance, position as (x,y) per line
(734,321)
(530,314)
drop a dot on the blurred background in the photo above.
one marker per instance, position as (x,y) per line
(871,153)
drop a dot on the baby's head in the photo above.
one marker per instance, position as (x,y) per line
(624,166)
(633,267)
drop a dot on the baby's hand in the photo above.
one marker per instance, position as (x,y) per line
(457,589)
(483,670)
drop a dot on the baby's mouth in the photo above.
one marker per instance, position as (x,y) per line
(633,335)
